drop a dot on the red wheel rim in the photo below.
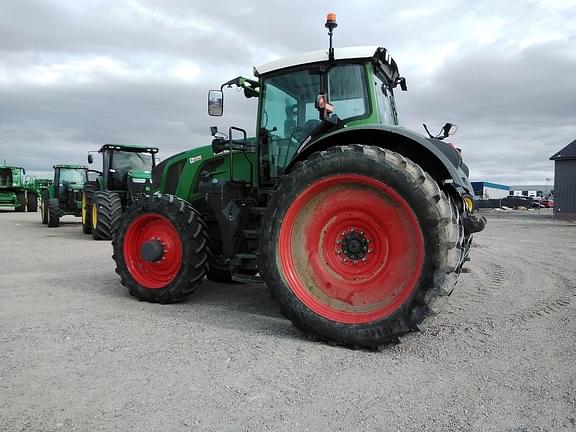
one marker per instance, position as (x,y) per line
(336,281)
(145,228)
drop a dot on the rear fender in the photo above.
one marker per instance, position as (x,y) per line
(442,161)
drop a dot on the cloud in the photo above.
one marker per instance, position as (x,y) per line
(75,75)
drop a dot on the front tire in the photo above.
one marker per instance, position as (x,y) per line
(53,213)
(44,207)
(178,232)
(105,215)
(20,202)
(87,199)
(359,246)
(32,202)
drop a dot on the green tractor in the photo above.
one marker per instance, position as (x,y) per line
(64,196)
(15,191)
(125,177)
(41,184)
(359,227)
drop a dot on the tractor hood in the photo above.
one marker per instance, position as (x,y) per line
(75,186)
(140,174)
(171,168)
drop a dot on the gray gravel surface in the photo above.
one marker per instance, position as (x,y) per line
(78,354)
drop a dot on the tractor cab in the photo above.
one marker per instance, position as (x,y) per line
(125,167)
(306,97)
(5,177)
(68,182)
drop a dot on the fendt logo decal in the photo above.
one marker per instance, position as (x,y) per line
(195,159)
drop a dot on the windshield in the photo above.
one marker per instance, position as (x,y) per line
(72,176)
(288,114)
(385,98)
(123,161)
(5,177)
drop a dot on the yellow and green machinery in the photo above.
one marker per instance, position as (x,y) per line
(15,191)
(125,176)
(64,196)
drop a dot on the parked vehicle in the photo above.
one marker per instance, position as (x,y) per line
(125,176)
(359,227)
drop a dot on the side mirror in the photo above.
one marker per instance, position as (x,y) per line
(90,159)
(215,103)
(449,129)
(402,82)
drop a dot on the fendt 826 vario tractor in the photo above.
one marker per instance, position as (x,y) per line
(125,176)
(64,196)
(15,191)
(359,227)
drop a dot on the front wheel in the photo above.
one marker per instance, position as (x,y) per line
(32,202)
(160,249)
(53,213)
(359,246)
(105,215)
(44,207)
(87,199)
(20,202)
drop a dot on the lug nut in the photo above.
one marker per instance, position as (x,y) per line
(363,259)
(369,250)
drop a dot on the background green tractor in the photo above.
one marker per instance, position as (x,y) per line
(125,176)
(64,196)
(41,184)
(359,227)
(15,191)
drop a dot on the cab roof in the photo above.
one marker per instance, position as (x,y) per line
(377,54)
(129,147)
(65,166)
(11,167)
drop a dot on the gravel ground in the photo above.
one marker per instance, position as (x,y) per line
(78,354)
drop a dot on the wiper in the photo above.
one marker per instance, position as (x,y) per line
(144,163)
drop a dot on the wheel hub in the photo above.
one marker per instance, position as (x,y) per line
(152,250)
(353,245)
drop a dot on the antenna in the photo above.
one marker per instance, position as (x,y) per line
(331,24)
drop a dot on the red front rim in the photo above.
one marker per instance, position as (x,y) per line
(359,284)
(149,227)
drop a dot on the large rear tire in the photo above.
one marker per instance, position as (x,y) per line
(32,202)
(87,199)
(53,213)
(160,249)
(359,246)
(105,215)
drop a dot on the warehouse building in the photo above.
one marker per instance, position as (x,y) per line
(488,190)
(533,190)
(565,182)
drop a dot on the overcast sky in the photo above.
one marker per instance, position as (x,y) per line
(77,74)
